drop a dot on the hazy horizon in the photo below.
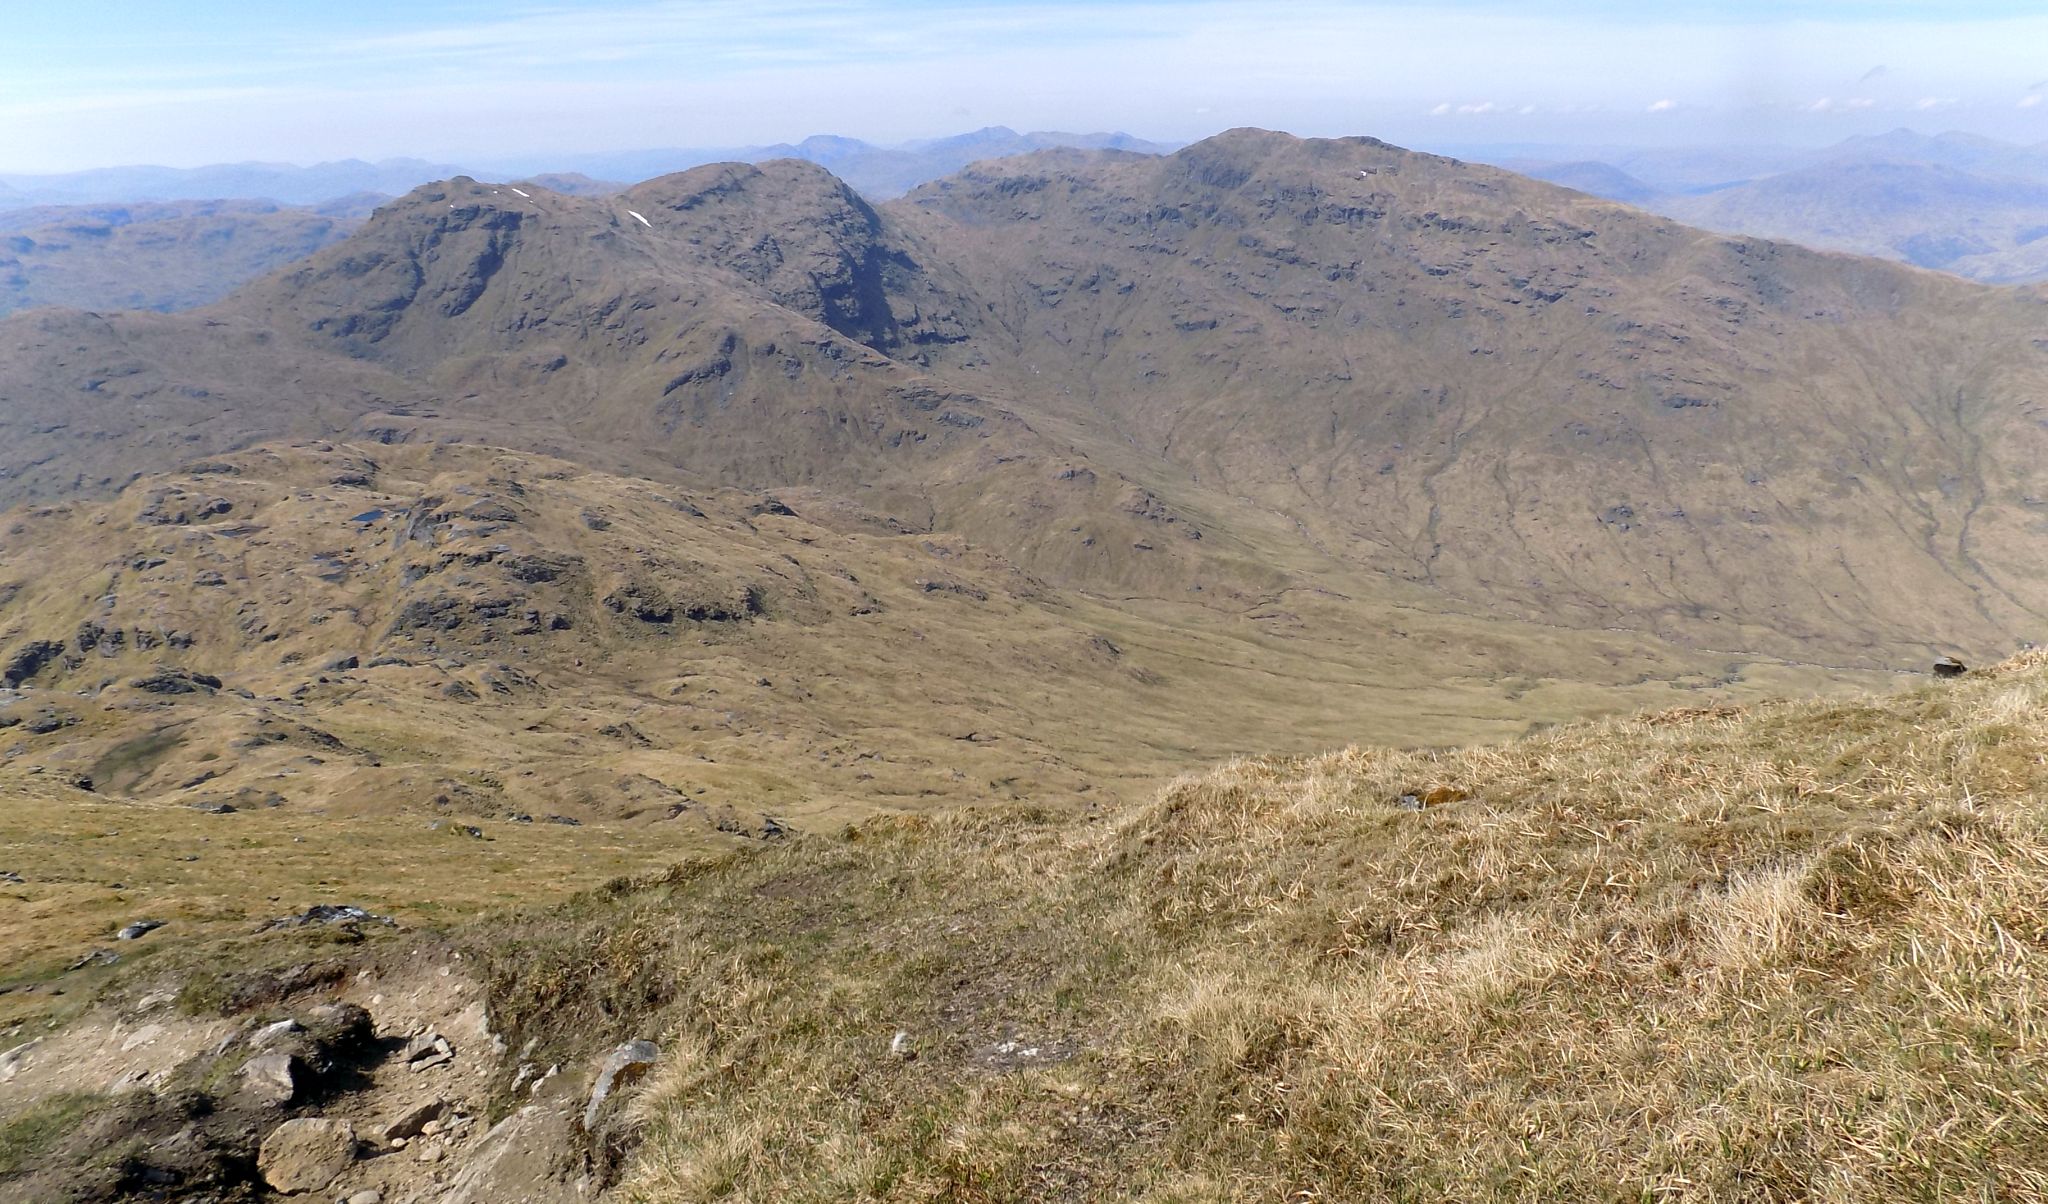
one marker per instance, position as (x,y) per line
(461,81)
(539,161)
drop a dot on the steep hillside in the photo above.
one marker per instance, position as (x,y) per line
(1521,394)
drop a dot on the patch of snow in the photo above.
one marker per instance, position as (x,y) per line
(527,195)
(643,221)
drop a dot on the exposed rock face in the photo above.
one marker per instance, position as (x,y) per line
(306,1154)
(29,661)
(813,244)
(170,680)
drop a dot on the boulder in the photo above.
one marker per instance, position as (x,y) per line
(330,913)
(414,1120)
(270,1078)
(621,1066)
(270,1034)
(428,1049)
(306,1154)
(12,1062)
(1949,666)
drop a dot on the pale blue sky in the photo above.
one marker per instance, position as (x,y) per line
(184,82)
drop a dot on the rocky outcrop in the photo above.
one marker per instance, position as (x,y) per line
(29,661)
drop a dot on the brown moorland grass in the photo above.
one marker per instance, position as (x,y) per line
(1780,952)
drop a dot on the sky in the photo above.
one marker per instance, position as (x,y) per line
(188,82)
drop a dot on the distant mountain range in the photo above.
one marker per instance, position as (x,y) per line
(876,172)
(161,238)
(166,239)
(163,255)
(284,183)
(879,172)
(1957,202)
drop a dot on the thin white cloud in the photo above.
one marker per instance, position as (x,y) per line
(1928,104)
(2031,100)
(547,75)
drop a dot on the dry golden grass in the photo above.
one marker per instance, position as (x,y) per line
(93,864)
(1783,952)
(857,691)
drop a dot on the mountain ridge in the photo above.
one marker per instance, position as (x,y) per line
(1469,344)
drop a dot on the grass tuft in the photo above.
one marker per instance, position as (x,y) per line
(1786,952)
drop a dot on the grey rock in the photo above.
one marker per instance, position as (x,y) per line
(14,1059)
(622,1065)
(48,720)
(428,1049)
(414,1120)
(138,930)
(530,1156)
(306,1154)
(270,1078)
(331,913)
(167,680)
(270,1034)
(30,660)
(1949,666)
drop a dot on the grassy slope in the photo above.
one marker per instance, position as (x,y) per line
(1778,952)
(857,691)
